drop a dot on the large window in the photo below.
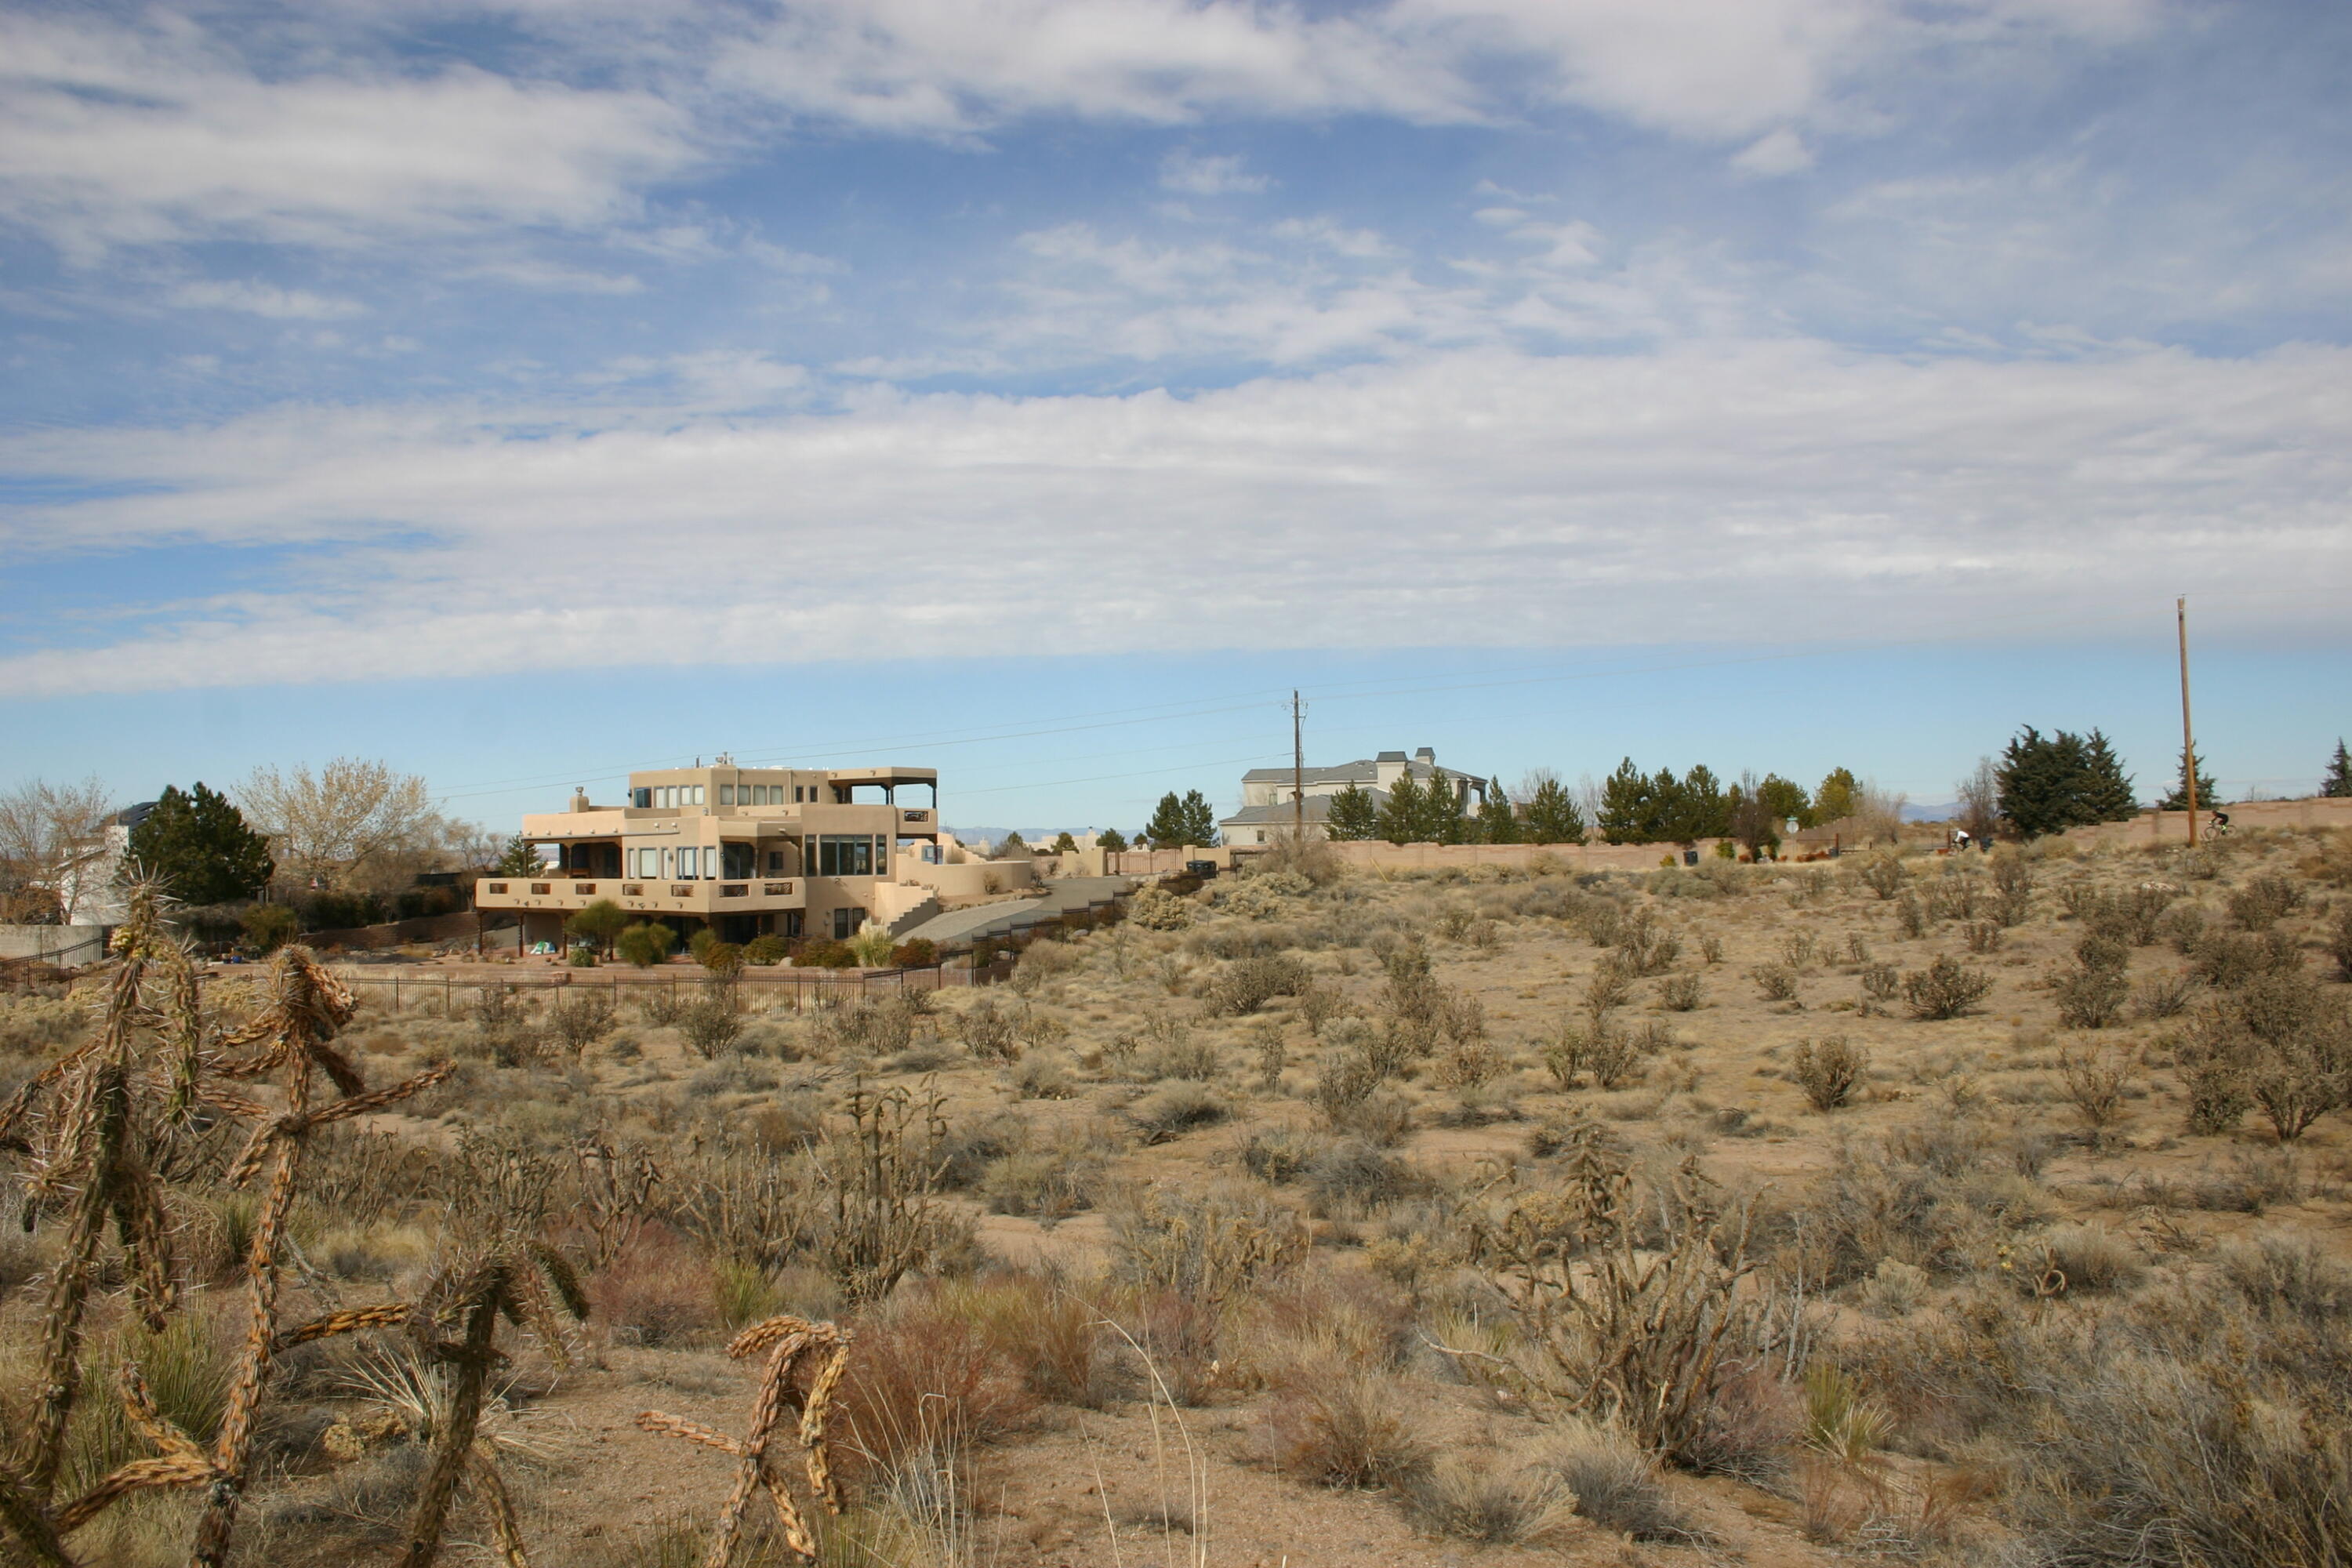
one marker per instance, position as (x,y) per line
(846,922)
(852,855)
(738,860)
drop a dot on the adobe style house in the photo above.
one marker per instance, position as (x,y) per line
(748,852)
(1267,813)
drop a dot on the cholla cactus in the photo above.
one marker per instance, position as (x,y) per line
(787,1339)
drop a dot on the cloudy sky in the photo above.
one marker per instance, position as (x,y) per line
(535,389)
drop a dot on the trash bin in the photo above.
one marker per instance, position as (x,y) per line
(1690,856)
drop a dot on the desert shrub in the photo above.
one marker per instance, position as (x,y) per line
(1273,1054)
(1611,985)
(1911,917)
(1982,936)
(658,1290)
(1051,1337)
(2263,901)
(1610,1055)
(2227,960)
(1156,908)
(2288,1277)
(1474,1500)
(1829,1072)
(2163,996)
(1710,947)
(1332,1425)
(1208,1246)
(1945,989)
(1176,1109)
(1775,982)
(35,1026)
(919,952)
(1881,983)
(872,1027)
(2339,943)
(1278,1154)
(1645,944)
(1616,1485)
(1246,984)
(1679,993)
(2093,1076)
(646,943)
(579,1022)
(1042,1077)
(1883,875)
(710,1023)
(2088,1258)
(766,952)
(1047,1182)
(825,953)
(2277,1041)
(925,1384)
(988,1032)
(269,927)
(1353,1178)
(742,1294)
(2090,998)
(723,959)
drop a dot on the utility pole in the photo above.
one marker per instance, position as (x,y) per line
(2188,736)
(1297,774)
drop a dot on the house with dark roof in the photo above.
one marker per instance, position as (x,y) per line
(1267,811)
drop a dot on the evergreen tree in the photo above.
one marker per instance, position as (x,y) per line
(1200,820)
(2337,784)
(1497,822)
(1111,840)
(2107,792)
(1752,822)
(1166,828)
(1663,819)
(1553,815)
(2050,784)
(198,845)
(1782,799)
(1836,798)
(1442,820)
(2209,794)
(1401,819)
(1625,805)
(1013,843)
(1063,844)
(1700,809)
(1352,816)
(520,858)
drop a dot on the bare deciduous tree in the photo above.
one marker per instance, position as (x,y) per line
(1980,795)
(353,815)
(1879,812)
(52,844)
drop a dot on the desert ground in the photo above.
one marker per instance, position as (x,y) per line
(1966,1209)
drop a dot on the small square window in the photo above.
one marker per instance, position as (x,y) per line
(727,794)
(698,794)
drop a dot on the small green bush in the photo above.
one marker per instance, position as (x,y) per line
(269,927)
(824,953)
(766,952)
(644,944)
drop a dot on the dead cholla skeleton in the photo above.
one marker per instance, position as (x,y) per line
(1629,1332)
(789,1340)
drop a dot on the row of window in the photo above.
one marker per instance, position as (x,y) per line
(852,855)
(667,796)
(691,863)
(765,795)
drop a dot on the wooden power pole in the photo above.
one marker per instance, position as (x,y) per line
(1297,774)
(2188,735)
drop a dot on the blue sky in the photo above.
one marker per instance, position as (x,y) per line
(1045,388)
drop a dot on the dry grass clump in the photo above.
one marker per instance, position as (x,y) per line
(1615,1485)
(1330,1424)
(1472,1499)
(1829,1072)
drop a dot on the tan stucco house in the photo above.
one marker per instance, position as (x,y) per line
(747,851)
(1268,813)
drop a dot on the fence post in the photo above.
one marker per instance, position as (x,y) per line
(448,996)
(396,995)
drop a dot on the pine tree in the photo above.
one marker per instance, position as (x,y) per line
(1625,805)
(2209,794)
(1836,797)
(1401,817)
(1782,799)
(1553,815)
(198,845)
(1497,822)
(1012,844)
(1166,828)
(1200,820)
(1700,809)
(1442,821)
(1063,844)
(1352,816)
(1666,814)
(520,858)
(2337,784)
(1111,841)
(2106,788)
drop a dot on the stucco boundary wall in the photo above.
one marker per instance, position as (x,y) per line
(1378,855)
(2252,816)
(74,944)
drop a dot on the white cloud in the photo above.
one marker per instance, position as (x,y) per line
(1782,151)
(1709,492)
(258,299)
(132,135)
(554,275)
(1203,176)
